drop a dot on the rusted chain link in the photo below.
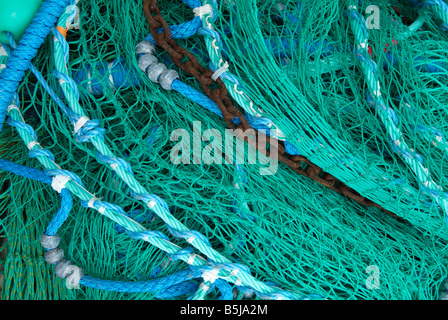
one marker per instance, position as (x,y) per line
(216,91)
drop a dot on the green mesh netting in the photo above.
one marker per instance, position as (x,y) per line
(296,61)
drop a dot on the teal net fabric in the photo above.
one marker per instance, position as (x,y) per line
(364,100)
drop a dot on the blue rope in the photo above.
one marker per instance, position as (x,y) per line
(159,285)
(38,175)
(122,75)
(196,96)
(171,286)
(180,31)
(185,29)
(181,289)
(40,78)
(30,42)
(192,3)
(225,289)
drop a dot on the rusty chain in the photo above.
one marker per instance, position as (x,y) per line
(189,64)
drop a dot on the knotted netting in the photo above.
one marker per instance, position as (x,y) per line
(358,89)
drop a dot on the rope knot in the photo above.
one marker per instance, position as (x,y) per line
(203,10)
(86,129)
(59,181)
(220,71)
(211,276)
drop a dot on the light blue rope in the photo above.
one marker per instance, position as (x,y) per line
(185,29)
(40,78)
(171,286)
(27,48)
(158,205)
(196,96)
(39,175)
(180,31)
(157,286)
(123,76)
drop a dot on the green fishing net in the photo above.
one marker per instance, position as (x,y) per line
(297,61)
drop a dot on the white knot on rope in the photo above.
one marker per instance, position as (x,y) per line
(12,106)
(191,258)
(32,144)
(59,182)
(203,10)
(191,239)
(220,71)
(80,123)
(91,201)
(151,204)
(211,275)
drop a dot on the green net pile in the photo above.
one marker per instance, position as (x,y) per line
(296,60)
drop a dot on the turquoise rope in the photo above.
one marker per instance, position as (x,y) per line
(155,203)
(27,48)
(388,116)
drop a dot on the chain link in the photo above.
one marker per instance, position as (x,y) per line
(188,63)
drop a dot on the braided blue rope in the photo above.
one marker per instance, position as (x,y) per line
(185,29)
(62,172)
(38,175)
(39,77)
(188,235)
(147,234)
(115,161)
(23,126)
(180,31)
(196,96)
(41,153)
(27,48)
(98,203)
(171,286)
(183,252)
(224,288)
(181,289)
(155,285)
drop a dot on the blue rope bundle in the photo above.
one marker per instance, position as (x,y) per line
(27,48)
